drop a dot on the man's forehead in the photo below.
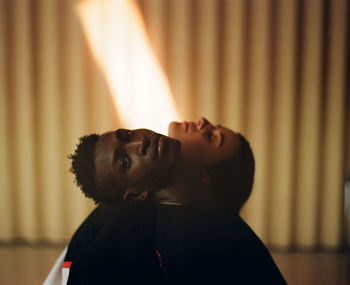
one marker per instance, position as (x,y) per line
(103,152)
(103,144)
(106,135)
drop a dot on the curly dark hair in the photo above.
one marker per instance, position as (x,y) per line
(232,179)
(83,166)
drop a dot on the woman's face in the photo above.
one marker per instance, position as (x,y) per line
(203,144)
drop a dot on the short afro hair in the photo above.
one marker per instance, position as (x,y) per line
(83,166)
(84,170)
(232,179)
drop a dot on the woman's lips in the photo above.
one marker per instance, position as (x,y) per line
(186,126)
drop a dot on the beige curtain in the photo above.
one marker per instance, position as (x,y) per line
(274,70)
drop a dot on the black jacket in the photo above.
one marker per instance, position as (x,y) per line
(164,244)
(208,245)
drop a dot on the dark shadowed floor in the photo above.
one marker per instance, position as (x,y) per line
(30,265)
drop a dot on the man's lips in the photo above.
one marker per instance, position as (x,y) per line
(161,146)
(155,146)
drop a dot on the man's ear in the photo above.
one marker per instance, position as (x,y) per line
(132,194)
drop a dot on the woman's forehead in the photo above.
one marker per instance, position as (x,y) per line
(231,143)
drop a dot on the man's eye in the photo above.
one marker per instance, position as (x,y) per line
(210,137)
(125,163)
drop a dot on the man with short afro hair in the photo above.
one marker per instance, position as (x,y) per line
(231,179)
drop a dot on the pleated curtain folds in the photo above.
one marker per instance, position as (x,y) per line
(275,70)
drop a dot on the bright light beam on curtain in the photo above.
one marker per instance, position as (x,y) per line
(118,40)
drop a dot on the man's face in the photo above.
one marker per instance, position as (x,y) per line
(203,144)
(135,158)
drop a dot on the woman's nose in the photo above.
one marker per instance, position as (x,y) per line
(202,123)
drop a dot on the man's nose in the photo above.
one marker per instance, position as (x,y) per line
(139,144)
(202,123)
(145,143)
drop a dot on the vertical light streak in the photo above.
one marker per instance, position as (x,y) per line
(118,40)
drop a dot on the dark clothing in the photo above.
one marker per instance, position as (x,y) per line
(166,244)
(114,245)
(202,245)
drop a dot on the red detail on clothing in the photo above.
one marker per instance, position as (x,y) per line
(67,264)
(159,258)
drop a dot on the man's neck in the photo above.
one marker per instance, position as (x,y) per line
(187,187)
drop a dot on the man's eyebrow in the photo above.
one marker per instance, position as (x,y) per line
(222,139)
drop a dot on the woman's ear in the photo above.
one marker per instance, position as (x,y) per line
(132,194)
